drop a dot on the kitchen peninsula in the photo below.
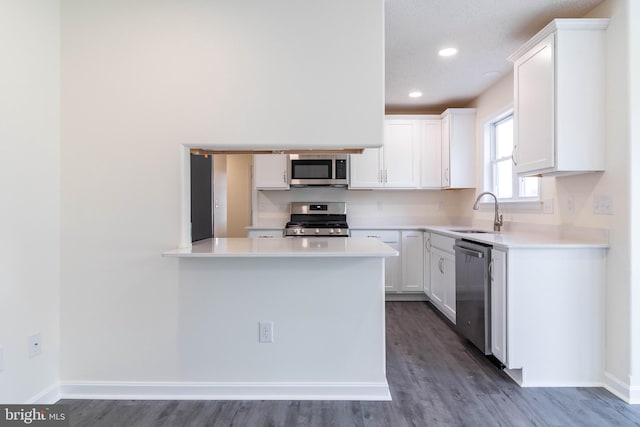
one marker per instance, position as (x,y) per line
(321,298)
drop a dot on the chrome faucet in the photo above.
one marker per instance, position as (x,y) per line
(497,221)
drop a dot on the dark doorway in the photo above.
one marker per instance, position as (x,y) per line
(201,206)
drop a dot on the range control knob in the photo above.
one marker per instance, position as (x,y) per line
(317,231)
(331,231)
(301,230)
(339,231)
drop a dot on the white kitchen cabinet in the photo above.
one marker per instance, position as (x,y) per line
(426,281)
(271,171)
(401,159)
(554,314)
(365,169)
(559,89)
(499,304)
(443,275)
(392,265)
(396,164)
(412,261)
(431,153)
(436,278)
(458,148)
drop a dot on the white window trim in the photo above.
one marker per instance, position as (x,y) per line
(530,204)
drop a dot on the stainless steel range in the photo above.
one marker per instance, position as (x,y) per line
(318,219)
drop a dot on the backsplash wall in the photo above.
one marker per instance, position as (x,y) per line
(369,207)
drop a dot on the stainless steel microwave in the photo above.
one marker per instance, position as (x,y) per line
(319,170)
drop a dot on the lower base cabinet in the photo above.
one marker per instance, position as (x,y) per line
(412,259)
(403,274)
(392,265)
(443,275)
(498,275)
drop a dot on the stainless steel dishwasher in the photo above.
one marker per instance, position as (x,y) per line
(473,298)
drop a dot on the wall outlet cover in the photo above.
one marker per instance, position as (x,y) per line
(1,359)
(265,329)
(34,344)
(570,205)
(547,206)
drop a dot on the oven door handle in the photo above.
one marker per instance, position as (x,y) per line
(469,252)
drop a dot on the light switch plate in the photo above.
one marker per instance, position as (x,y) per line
(602,205)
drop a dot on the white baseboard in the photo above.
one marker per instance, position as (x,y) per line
(223,391)
(626,392)
(47,396)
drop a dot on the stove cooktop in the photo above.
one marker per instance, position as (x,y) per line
(317,219)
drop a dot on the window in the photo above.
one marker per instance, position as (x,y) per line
(500,176)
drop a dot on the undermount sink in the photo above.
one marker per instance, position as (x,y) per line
(470,231)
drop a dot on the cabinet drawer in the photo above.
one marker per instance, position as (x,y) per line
(268,232)
(444,243)
(387,236)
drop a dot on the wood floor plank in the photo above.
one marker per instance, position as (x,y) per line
(436,379)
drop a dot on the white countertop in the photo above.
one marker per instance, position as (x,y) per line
(523,236)
(284,247)
(522,239)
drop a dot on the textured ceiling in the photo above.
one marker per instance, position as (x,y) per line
(485,32)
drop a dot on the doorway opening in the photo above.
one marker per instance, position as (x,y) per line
(221,195)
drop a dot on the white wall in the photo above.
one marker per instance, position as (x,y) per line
(141,78)
(634,113)
(615,182)
(30,193)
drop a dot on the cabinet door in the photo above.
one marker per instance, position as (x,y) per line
(392,265)
(412,259)
(270,171)
(392,270)
(437,278)
(449,274)
(499,305)
(534,108)
(400,153)
(431,155)
(427,265)
(365,169)
(446,136)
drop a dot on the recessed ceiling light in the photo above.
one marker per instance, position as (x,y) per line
(448,51)
(491,74)
(415,94)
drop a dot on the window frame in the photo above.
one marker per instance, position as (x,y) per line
(491,162)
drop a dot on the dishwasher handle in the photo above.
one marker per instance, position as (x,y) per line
(470,252)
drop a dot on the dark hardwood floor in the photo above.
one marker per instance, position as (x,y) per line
(436,379)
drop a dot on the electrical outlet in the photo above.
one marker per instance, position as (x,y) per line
(602,205)
(380,206)
(1,359)
(570,206)
(35,345)
(265,331)
(547,206)
(440,206)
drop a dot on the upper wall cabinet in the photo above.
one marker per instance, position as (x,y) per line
(559,78)
(396,164)
(431,153)
(270,171)
(458,148)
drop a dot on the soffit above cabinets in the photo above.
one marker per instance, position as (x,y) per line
(202,151)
